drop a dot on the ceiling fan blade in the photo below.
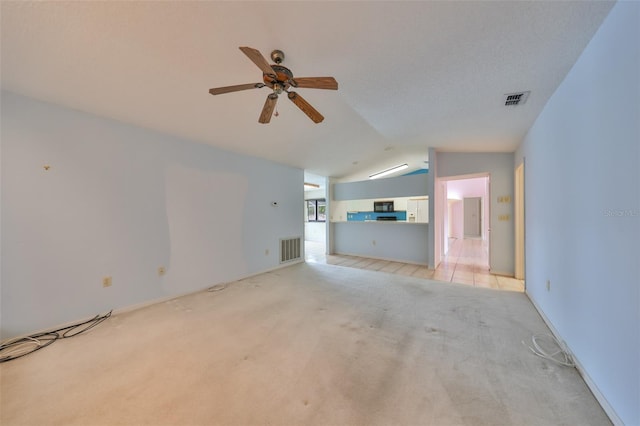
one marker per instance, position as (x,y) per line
(267,110)
(316,83)
(257,58)
(236,88)
(311,112)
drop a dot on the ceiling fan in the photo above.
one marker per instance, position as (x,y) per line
(280,79)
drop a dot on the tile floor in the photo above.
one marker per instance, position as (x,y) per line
(465,263)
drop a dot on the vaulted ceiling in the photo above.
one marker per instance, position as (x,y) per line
(411,75)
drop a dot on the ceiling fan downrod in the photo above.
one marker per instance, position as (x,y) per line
(277,56)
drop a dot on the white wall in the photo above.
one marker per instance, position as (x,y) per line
(458,189)
(400,186)
(314,194)
(119,200)
(397,241)
(582,208)
(455,225)
(500,168)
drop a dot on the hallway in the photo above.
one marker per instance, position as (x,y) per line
(465,263)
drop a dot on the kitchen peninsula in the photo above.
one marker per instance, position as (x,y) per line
(380,219)
(388,240)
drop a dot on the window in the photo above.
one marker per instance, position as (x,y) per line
(317,210)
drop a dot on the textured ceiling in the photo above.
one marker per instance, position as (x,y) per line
(412,75)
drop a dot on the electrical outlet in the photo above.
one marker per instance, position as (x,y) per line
(161,271)
(373,242)
(106,282)
(548,285)
(266,252)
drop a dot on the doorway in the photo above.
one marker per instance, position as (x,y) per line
(316,208)
(466,213)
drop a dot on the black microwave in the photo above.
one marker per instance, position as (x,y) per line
(382,206)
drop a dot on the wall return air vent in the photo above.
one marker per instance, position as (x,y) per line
(290,249)
(518,98)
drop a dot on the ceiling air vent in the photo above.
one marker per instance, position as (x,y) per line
(518,98)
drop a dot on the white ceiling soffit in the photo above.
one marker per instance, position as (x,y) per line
(411,75)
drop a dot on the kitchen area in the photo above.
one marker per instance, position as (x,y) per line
(403,209)
(367,220)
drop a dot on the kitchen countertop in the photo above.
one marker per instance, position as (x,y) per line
(380,221)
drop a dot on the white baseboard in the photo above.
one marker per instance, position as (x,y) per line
(150,302)
(608,409)
(177,296)
(502,273)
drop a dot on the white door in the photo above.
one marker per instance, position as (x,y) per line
(472,217)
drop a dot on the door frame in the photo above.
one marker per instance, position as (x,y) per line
(519,222)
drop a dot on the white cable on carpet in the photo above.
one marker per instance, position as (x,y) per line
(217,287)
(561,356)
(19,346)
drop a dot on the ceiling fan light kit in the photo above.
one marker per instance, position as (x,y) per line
(280,79)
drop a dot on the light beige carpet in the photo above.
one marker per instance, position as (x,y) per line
(305,345)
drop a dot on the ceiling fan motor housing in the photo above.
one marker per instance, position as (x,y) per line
(283,75)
